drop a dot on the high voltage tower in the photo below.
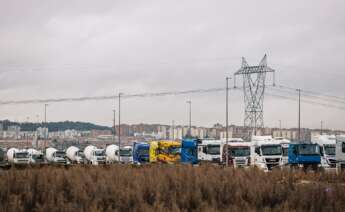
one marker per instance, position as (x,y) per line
(254,78)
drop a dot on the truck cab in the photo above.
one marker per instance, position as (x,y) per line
(304,155)
(327,150)
(35,156)
(141,153)
(3,161)
(98,156)
(285,148)
(266,153)
(209,150)
(238,153)
(126,154)
(165,151)
(189,151)
(60,157)
(340,152)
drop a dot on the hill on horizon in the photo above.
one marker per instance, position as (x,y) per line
(55,126)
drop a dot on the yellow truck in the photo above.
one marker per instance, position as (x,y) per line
(165,151)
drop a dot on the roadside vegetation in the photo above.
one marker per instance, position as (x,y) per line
(168,188)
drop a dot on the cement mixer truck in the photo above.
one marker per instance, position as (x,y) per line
(55,156)
(94,155)
(17,157)
(112,154)
(75,155)
(35,156)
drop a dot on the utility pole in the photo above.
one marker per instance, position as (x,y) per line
(45,123)
(299,115)
(190,118)
(173,129)
(114,111)
(280,128)
(227,121)
(45,113)
(119,132)
(321,127)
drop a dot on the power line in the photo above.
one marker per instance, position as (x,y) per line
(79,99)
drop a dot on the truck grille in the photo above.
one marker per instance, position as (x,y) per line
(332,161)
(272,160)
(240,162)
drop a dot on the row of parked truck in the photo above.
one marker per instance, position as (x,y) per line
(72,155)
(264,152)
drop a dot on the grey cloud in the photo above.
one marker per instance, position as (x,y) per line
(77,48)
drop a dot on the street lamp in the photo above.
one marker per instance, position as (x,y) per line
(190,118)
(227,121)
(119,132)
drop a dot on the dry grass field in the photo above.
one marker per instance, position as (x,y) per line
(168,188)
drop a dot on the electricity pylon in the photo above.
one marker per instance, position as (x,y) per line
(254,78)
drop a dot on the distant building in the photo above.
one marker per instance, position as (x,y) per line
(13,132)
(42,132)
(96,133)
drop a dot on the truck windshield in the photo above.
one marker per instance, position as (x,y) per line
(329,149)
(239,151)
(21,155)
(38,157)
(125,152)
(174,150)
(59,154)
(285,151)
(213,149)
(81,154)
(271,150)
(99,153)
(143,151)
(308,149)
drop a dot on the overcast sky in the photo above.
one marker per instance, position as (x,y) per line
(53,49)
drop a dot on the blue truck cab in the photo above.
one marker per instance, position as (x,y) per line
(304,155)
(141,152)
(189,151)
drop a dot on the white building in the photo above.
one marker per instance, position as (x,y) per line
(42,132)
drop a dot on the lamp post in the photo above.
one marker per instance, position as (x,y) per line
(227,121)
(190,118)
(299,114)
(119,132)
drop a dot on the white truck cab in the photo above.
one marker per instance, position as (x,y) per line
(126,154)
(239,152)
(209,150)
(18,156)
(340,152)
(266,152)
(94,155)
(327,150)
(285,147)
